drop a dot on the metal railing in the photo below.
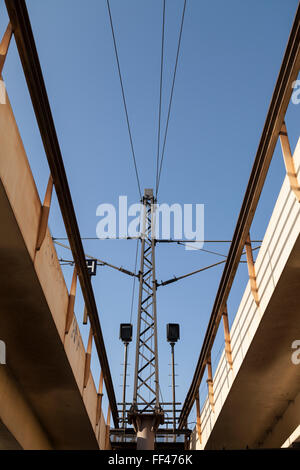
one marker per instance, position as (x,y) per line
(274,125)
(21,28)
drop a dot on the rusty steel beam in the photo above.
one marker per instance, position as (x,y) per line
(281,96)
(20,22)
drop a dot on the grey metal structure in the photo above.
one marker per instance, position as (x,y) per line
(146,382)
(146,406)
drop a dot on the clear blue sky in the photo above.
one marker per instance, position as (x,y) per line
(230,57)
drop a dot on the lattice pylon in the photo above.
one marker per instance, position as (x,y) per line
(146,383)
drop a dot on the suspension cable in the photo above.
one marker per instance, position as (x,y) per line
(100,261)
(171,97)
(208,251)
(202,249)
(157,240)
(124,99)
(175,279)
(160,89)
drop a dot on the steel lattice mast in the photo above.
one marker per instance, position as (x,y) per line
(146,406)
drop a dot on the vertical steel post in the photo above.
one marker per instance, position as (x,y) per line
(141,278)
(154,287)
(145,412)
(124,384)
(173,386)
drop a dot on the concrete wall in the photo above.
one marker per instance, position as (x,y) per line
(279,240)
(21,206)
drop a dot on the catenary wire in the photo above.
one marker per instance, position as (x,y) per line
(158,240)
(171,97)
(175,279)
(160,88)
(124,99)
(104,263)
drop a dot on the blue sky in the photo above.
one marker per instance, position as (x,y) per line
(230,57)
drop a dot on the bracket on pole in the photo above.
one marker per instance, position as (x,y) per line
(289,161)
(251,270)
(228,351)
(4,45)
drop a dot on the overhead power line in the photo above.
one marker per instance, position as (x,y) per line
(202,249)
(209,251)
(158,240)
(160,89)
(171,97)
(135,275)
(175,279)
(100,261)
(124,99)
(179,242)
